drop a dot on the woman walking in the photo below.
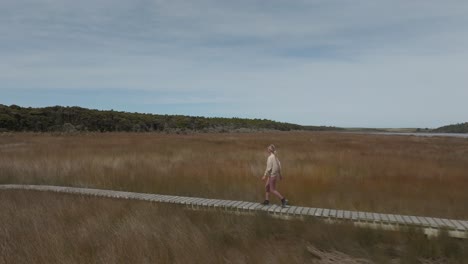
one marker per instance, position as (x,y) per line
(271,175)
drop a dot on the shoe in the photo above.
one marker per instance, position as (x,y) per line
(266,202)
(284,202)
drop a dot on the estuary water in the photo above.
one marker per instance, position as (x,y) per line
(457,135)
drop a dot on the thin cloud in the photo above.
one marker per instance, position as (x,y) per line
(316,62)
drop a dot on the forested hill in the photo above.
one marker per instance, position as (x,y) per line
(70,119)
(457,128)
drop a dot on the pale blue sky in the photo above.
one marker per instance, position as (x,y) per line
(346,63)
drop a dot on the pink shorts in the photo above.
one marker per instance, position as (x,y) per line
(271,184)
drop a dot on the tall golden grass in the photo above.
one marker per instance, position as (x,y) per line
(57,228)
(388,174)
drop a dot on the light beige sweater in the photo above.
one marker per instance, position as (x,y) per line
(273,168)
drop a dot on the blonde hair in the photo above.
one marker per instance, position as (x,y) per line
(272,149)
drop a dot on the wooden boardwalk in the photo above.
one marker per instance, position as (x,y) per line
(429,225)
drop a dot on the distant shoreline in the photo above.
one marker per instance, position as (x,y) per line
(417,134)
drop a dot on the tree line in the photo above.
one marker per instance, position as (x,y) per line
(455,128)
(71,119)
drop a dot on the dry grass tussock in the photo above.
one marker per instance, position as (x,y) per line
(56,228)
(389,174)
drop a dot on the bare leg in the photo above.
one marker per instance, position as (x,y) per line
(272,182)
(275,192)
(267,189)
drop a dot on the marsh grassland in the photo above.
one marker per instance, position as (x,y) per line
(387,174)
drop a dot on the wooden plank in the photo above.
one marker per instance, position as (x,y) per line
(407,219)
(102,194)
(347,215)
(244,205)
(236,204)
(272,208)
(332,213)
(354,216)
(400,219)
(190,200)
(361,216)
(258,207)
(205,202)
(340,214)
(384,218)
(431,222)
(423,221)
(392,218)
(283,209)
(369,217)
(278,209)
(159,197)
(415,220)
(311,211)
(290,210)
(211,202)
(146,197)
(126,195)
(139,196)
(326,212)
(208,202)
(439,222)
(304,210)
(178,200)
(458,225)
(197,201)
(110,193)
(448,223)
(151,198)
(264,208)
(318,212)
(298,210)
(182,200)
(377,217)
(248,205)
(224,203)
(217,203)
(253,206)
(114,193)
(230,204)
(171,199)
(162,198)
(464,223)
(132,196)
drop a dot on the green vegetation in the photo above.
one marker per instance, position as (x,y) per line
(58,118)
(71,119)
(457,128)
